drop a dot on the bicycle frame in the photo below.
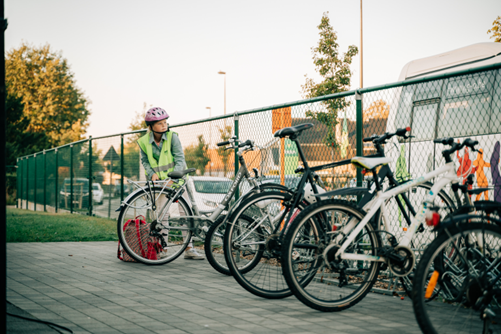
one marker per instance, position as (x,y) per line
(352,229)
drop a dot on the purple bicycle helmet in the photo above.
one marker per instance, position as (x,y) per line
(154,115)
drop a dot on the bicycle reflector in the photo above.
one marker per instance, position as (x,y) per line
(408,129)
(431,285)
(432,218)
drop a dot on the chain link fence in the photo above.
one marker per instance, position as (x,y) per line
(90,176)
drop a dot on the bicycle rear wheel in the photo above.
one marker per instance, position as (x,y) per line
(314,275)
(474,272)
(258,242)
(177,236)
(214,250)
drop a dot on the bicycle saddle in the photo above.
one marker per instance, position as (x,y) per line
(369,163)
(180,174)
(292,130)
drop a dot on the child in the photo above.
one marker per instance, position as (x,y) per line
(162,153)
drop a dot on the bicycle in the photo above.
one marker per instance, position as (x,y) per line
(352,255)
(258,241)
(261,283)
(172,223)
(471,278)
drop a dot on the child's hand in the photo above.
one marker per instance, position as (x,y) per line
(154,177)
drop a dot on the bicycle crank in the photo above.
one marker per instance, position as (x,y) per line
(401,259)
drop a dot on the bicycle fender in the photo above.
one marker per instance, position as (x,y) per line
(344,192)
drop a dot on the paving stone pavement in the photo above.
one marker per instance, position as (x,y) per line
(83,286)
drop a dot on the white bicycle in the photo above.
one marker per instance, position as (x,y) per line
(342,264)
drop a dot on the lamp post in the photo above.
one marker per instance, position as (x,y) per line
(221,72)
(210,141)
(361,50)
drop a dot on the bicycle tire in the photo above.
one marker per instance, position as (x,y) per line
(432,317)
(213,246)
(265,279)
(328,278)
(136,207)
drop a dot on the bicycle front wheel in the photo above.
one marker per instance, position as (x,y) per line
(256,243)
(310,268)
(473,274)
(146,248)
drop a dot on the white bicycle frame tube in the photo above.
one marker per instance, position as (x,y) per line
(379,200)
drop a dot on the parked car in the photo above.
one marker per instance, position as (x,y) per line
(80,193)
(209,191)
(97,193)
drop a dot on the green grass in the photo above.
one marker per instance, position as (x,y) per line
(29,226)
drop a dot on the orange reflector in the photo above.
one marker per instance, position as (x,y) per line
(431,285)
(405,229)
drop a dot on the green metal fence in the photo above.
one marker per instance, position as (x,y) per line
(90,176)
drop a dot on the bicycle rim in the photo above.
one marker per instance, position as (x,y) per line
(469,272)
(255,244)
(176,239)
(310,269)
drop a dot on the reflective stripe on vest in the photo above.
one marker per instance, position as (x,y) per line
(165,163)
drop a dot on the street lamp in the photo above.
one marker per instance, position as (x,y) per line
(221,72)
(210,141)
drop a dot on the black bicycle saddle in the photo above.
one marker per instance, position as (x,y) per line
(180,174)
(292,130)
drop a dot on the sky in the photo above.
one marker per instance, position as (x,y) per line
(168,53)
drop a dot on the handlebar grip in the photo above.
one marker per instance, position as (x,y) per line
(371,138)
(224,143)
(470,142)
(401,132)
(445,141)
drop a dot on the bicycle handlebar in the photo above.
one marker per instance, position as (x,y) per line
(382,139)
(224,143)
(444,141)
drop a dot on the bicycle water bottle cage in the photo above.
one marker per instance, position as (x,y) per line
(180,174)
(292,131)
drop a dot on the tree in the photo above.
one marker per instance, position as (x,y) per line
(222,151)
(52,104)
(197,156)
(19,141)
(335,71)
(496,30)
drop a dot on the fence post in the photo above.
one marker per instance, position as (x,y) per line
(91,199)
(237,192)
(57,178)
(27,181)
(18,193)
(44,181)
(122,168)
(359,129)
(71,178)
(35,190)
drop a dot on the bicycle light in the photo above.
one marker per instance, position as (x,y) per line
(432,218)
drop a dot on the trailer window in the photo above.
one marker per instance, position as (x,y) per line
(466,110)
(424,121)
